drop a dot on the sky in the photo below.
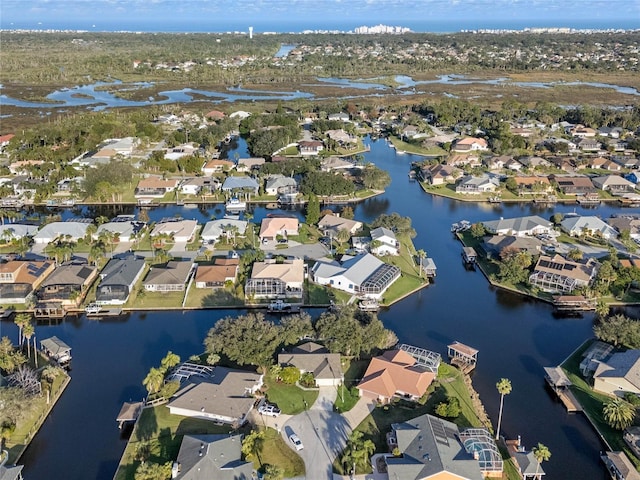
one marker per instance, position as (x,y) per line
(297,15)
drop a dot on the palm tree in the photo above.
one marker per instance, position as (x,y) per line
(504,388)
(421,256)
(28,330)
(169,361)
(154,380)
(542,454)
(619,413)
(21,320)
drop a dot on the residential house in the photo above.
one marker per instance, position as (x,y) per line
(533,185)
(122,146)
(601,163)
(386,240)
(23,167)
(214,115)
(7,471)
(513,164)
(563,163)
(249,164)
(622,223)
(363,275)
(464,160)
(125,227)
(519,226)
(216,393)
(580,131)
(610,132)
(341,116)
(496,162)
(277,184)
(618,374)
(172,277)
(199,186)
(616,144)
(71,230)
(495,245)
(272,227)
(5,139)
(217,275)
(203,457)
(410,131)
(240,184)
(316,359)
(395,373)
(615,184)
(180,230)
(155,187)
(67,284)
(335,223)
(534,162)
(588,145)
(330,164)
(525,461)
(574,184)
(20,278)
(215,229)
(472,185)
(342,137)
(576,226)
(560,275)
(118,279)
(180,151)
(272,280)
(14,231)
(619,466)
(310,147)
(216,165)
(470,144)
(439,174)
(435,449)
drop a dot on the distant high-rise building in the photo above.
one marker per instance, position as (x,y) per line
(250,32)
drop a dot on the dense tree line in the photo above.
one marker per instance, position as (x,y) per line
(326,183)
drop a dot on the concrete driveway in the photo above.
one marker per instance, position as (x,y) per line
(323,432)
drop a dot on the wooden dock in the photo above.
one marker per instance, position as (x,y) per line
(569,400)
(560,383)
(462,356)
(106,312)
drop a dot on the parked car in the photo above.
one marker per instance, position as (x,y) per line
(282,240)
(268,410)
(297,443)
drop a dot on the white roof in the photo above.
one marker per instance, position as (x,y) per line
(381,232)
(572,224)
(58,229)
(215,228)
(18,230)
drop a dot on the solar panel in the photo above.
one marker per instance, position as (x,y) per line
(439,431)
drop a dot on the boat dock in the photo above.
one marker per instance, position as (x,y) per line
(129,413)
(105,312)
(469,255)
(573,303)
(279,306)
(560,383)
(462,356)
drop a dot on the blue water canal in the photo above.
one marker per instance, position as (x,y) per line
(516,338)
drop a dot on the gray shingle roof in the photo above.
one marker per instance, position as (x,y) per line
(204,457)
(231,183)
(121,271)
(519,224)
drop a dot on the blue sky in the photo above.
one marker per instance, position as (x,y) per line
(223,15)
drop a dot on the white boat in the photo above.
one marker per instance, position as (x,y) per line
(369,305)
(92,308)
(236,205)
(278,306)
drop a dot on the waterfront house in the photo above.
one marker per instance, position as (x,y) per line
(276,184)
(340,116)
(10,472)
(495,244)
(433,448)
(334,223)
(311,357)
(619,466)
(213,230)
(395,373)
(180,151)
(124,226)
(67,284)
(217,275)
(470,144)
(618,374)
(118,279)
(330,164)
(20,278)
(240,184)
(272,280)
(249,164)
(343,138)
(525,461)
(464,160)
(203,457)
(439,174)
(560,275)
(577,226)
(172,277)
(533,185)
(155,187)
(473,185)
(310,147)
(216,165)
(363,275)
(496,162)
(71,231)
(519,226)
(180,230)
(216,393)
(573,184)
(588,145)
(533,162)
(615,184)
(15,231)
(199,186)
(214,115)
(387,243)
(270,228)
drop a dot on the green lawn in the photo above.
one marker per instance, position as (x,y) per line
(347,399)
(316,294)
(289,398)
(419,150)
(209,297)
(593,402)
(164,433)
(275,451)
(144,299)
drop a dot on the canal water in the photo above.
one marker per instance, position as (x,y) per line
(516,338)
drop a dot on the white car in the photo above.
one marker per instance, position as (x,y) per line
(269,410)
(297,443)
